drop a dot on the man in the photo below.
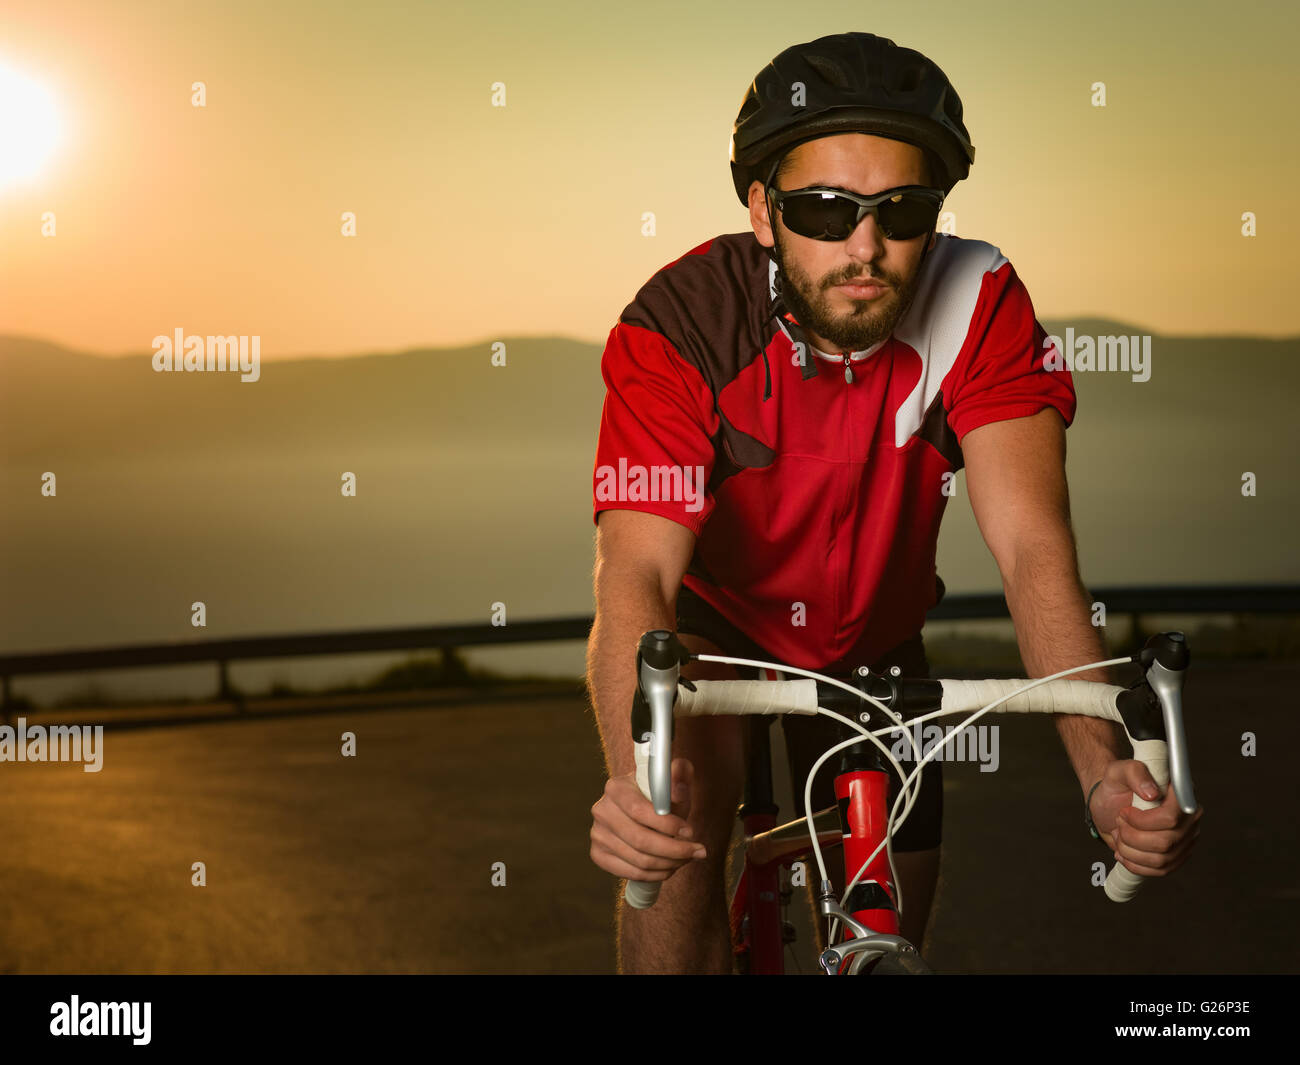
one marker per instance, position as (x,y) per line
(787,409)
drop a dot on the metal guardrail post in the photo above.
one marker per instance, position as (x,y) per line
(453,669)
(1135,629)
(225,692)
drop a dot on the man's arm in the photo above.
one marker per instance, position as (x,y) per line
(1015,473)
(640,561)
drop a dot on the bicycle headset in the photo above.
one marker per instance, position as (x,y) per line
(852,83)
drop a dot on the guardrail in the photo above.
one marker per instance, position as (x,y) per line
(1130,601)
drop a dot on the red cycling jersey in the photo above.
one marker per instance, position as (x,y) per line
(815,493)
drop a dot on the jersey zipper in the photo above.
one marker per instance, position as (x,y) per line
(840,577)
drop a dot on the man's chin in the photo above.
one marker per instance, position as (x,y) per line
(855,341)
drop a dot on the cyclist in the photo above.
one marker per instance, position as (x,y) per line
(785,412)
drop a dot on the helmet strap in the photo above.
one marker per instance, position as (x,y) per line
(771,217)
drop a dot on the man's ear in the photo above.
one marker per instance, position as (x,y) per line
(758,215)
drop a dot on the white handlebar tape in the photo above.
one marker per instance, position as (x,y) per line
(1122,885)
(1070,697)
(748,697)
(1059,697)
(641,894)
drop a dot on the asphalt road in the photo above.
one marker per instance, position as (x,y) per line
(383,863)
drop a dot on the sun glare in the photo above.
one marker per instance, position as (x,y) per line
(29,127)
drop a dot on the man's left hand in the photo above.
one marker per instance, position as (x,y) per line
(1151,842)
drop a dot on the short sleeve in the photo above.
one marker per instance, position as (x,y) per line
(655,450)
(1001,373)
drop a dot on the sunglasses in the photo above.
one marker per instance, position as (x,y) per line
(831,214)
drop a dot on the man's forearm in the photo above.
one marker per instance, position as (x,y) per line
(1052,612)
(627,605)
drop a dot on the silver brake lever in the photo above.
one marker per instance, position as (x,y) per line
(660,689)
(1168,685)
(660,655)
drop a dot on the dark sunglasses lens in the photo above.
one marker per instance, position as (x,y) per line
(820,217)
(823,217)
(907,216)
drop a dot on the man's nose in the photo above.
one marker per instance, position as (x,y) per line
(867,241)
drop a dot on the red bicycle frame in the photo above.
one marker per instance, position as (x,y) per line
(758,934)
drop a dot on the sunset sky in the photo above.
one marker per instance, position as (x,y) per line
(477,222)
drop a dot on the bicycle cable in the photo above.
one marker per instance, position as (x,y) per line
(926,759)
(907,791)
(910,787)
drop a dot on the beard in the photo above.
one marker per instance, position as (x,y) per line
(866,324)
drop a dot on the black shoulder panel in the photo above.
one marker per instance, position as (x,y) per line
(710,306)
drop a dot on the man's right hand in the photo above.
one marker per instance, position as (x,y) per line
(630,840)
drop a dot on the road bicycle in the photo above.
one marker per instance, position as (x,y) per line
(869,709)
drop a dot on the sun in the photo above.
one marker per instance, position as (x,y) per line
(29,127)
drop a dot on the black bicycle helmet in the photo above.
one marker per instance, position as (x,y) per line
(852,83)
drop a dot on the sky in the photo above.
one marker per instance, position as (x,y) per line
(476,222)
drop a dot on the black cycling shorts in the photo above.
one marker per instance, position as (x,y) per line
(806,738)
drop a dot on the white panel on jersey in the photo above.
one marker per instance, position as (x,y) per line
(938,321)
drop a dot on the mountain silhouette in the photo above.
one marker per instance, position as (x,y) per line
(474,485)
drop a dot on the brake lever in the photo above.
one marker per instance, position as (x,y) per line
(1167,658)
(659,658)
